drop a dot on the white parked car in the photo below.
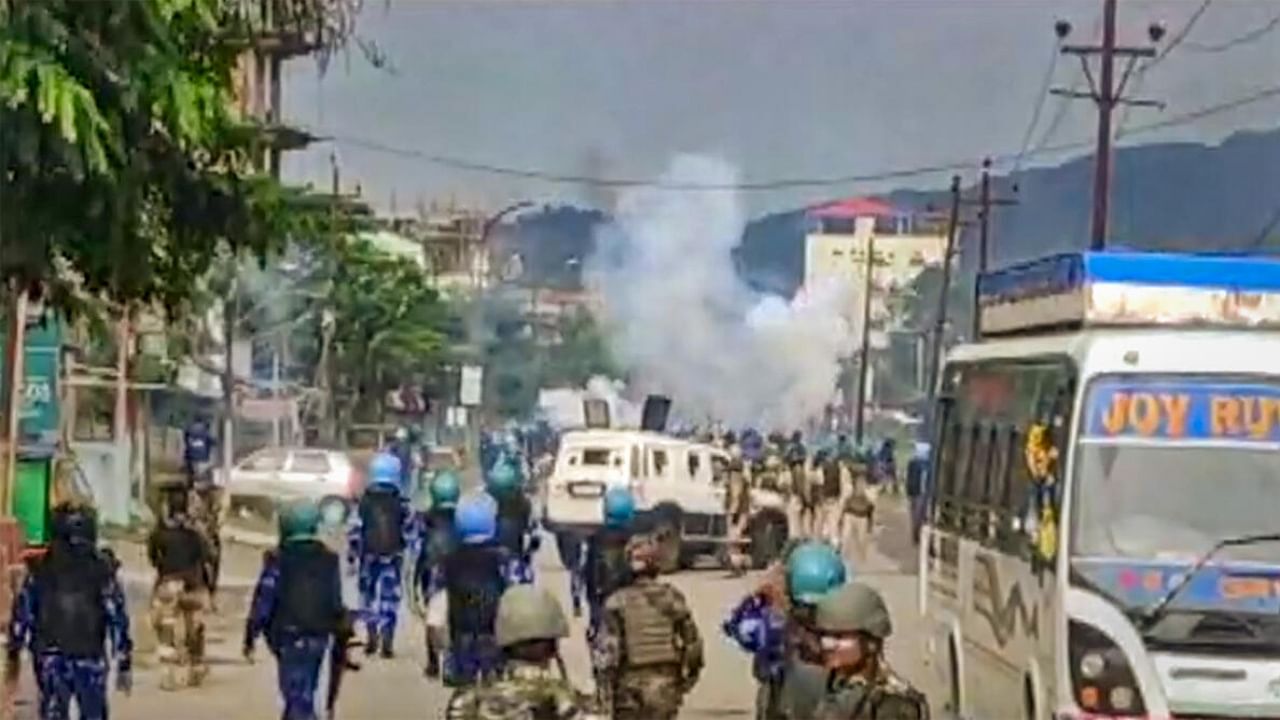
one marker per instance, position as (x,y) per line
(281,474)
(679,494)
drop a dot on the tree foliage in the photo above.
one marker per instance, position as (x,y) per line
(390,327)
(125,171)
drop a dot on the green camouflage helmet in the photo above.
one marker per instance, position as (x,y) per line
(854,608)
(526,613)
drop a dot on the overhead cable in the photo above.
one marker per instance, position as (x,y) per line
(1005,159)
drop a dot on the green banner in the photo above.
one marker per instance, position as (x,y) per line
(38,413)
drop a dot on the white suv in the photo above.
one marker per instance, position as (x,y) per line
(679,495)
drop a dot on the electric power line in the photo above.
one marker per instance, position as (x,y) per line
(1042,96)
(1181,35)
(1244,39)
(788,183)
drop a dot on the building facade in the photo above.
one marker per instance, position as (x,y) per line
(841,235)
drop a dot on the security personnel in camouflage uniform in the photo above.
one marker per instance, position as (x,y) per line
(651,651)
(181,555)
(205,507)
(532,684)
(68,609)
(737,509)
(297,606)
(853,624)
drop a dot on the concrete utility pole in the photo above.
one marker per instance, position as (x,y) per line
(329,418)
(864,356)
(1107,94)
(122,426)
(230,309)
(940,320)
(15,341)
(985,202)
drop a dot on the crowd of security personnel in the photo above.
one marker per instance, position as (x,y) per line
(817,638)
(830,493)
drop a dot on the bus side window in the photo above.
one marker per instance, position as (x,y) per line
(1008,453)
(989,473)
(946,488)
(975,510)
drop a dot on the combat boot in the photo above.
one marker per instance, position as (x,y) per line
(371,646)
(386,650)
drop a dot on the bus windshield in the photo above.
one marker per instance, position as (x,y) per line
(1173,503)
(1167,466)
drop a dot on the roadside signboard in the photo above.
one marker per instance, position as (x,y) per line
(471,388)
(38,414)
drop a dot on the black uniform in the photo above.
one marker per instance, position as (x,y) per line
(607,568)
(475,576)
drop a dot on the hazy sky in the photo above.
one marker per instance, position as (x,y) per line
(780,88)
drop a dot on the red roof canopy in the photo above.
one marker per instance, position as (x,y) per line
(854,207)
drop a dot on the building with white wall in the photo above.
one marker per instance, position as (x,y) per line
(840,235)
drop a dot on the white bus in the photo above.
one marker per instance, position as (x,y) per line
(1103,538)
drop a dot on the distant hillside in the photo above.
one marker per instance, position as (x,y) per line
(1181,196)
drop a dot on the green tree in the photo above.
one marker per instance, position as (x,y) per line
(125,171)
(389,325)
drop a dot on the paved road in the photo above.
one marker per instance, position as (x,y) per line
(396,689)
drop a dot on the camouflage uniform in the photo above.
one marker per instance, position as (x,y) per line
(650,649)
(889,697)
(868,690)
(524,692)
(205,511)
(179,600)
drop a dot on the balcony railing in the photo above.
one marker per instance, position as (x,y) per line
(294,27)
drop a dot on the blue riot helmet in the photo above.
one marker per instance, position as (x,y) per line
(384,469)
(814,569)
(476,518)
(503,479)
(619,507)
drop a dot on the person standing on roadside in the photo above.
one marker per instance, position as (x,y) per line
(918,488)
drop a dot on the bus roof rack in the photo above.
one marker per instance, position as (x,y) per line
(1122,288)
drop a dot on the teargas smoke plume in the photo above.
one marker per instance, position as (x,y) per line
(562,408)
(684,323)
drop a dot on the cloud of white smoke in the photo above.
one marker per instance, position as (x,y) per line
(684,323)
(562,408)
